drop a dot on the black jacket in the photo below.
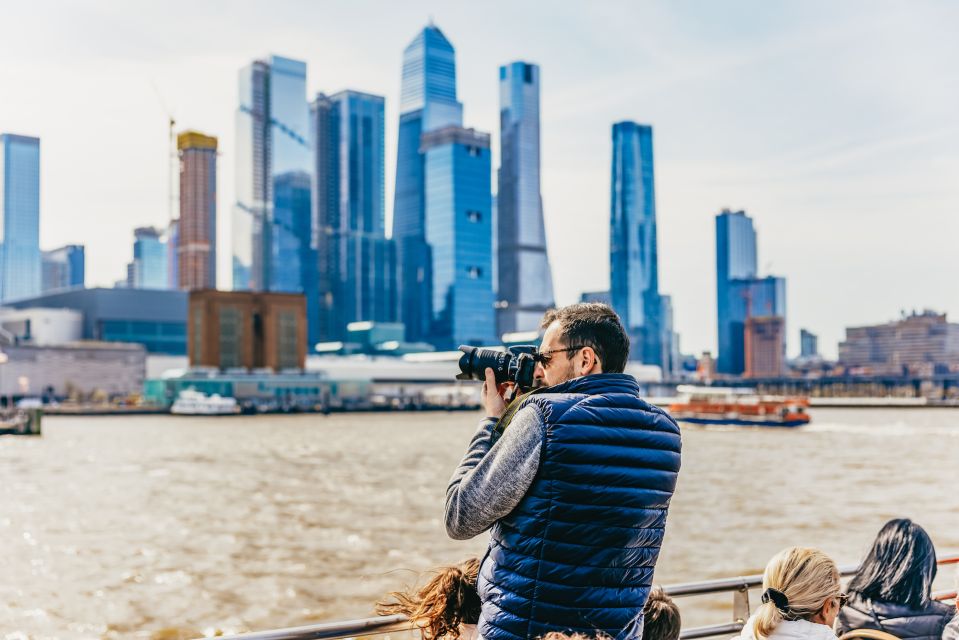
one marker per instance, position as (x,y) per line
(901,621)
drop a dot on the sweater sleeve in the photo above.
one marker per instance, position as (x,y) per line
(493,478)
(951,632)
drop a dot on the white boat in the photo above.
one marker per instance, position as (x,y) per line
(191,402)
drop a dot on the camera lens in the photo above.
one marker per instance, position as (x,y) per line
(475,361)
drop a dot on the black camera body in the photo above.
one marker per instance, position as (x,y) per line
(516,364)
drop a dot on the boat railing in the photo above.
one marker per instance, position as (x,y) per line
(739,586)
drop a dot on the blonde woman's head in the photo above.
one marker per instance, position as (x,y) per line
(799,584)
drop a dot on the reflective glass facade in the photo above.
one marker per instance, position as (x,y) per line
(459,233)
(156,319)
(356,262)
(751,298)
(525,283)
(428,102)
(735,260)
(150,266)
(271,225)
(19,216)
(172,240)
(634,270)
(64,268)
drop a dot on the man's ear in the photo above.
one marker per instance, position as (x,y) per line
(589,359)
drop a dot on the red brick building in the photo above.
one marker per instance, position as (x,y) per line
(196,249)
(230,329)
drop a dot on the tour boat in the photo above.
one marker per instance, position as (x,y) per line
(191,402)
(729,406)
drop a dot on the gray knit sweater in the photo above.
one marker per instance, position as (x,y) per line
(494,476)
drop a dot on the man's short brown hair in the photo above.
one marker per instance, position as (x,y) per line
(663,621)
(595,325)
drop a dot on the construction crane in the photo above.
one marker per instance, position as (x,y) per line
(172,159)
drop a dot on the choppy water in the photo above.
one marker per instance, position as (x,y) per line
(123,527)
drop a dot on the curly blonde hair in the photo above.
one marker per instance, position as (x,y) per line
(444,603)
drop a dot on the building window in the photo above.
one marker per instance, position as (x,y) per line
(287,355)
(474,216)
(230,337)
(197,335)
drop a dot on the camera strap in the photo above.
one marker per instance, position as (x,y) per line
(507,416)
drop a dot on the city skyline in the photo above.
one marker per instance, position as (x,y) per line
(827,156)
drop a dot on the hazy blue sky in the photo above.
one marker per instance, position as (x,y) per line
(834,124)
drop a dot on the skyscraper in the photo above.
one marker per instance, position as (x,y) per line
(149,267)
(427,102)
(196,241)
(764,347)
(634,270)
(808,344)
(356,263)
(525,282)
(271,223)
(735,260)
(171,239)
(19,216)
(63,268)
(459,233)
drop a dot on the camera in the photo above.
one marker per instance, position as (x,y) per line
(516,364)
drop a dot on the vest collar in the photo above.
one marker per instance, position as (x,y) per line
(596,383)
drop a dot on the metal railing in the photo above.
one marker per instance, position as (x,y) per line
(739,585)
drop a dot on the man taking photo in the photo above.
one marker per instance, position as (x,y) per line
(575,481)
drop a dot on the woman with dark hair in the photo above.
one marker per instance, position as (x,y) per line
(892,591)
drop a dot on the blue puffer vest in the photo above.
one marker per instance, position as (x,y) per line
(578,552)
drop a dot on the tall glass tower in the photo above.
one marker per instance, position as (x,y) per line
(459,233)
(735,260)
(427,102)
(19,216)
(271,220)
(150,266)
(525,282)
(63,268)
(356,262)
(634,270)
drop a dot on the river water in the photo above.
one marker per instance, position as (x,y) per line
(154,526)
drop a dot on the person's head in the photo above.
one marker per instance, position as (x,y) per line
(799,584)
(662,619)
(580,340)
(444,603)
(900,566)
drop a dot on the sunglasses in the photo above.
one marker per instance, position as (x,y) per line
(843,599)
(545,357)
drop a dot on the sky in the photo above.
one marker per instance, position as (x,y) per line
(834,125)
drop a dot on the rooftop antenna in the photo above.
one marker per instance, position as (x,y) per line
(171,155)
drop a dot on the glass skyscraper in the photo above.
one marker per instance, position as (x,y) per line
(634,270)
(427,102)
(751,298)
(735,260)
(356,262)
(64,268)
(525,282)
(271,223)
(459,233)
(19,216)
(150,267)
